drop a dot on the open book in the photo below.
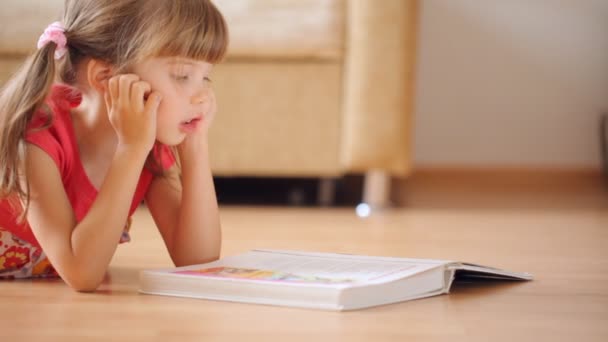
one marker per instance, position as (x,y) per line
(315,280)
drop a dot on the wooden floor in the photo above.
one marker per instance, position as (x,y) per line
(559,236)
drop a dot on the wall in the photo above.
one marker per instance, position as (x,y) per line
(510,83)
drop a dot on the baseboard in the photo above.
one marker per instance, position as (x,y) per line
(510,175)
(432,183)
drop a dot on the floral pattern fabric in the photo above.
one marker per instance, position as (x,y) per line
(20,259)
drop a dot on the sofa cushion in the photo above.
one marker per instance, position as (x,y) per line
(258,28)
(277,119)
(285,28)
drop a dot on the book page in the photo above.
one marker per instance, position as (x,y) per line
(312,268)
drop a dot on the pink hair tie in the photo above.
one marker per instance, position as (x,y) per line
(54,33)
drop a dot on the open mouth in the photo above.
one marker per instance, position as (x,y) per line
(189,126)
(193,120)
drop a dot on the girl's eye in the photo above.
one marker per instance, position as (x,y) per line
(181,78)
(207,79)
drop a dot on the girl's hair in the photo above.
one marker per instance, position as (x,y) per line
(119,32)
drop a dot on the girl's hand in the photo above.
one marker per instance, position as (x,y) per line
(209,110)
(131,114)
(208,106)
(195,144)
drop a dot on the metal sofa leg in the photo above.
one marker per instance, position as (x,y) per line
(376,189)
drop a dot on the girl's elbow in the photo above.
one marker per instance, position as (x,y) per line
(85,288)
(83,284)
(195,260)
(214,256)
(83,281)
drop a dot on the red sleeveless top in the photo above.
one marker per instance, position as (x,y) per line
(59,141)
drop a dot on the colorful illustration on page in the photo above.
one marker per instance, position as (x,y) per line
(255,274)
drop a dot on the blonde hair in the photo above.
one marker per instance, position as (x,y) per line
(119,32)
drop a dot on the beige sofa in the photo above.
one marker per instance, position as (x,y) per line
(311,88)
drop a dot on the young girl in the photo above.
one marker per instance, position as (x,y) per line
(86,128)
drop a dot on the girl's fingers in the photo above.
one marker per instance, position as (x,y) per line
(108,99)
(125,83)
(138,91)
(212,108)
(213,104)
(113,87)
(152,103)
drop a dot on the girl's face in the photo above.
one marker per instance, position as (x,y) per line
(186,95)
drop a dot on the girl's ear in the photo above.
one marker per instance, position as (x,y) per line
(98,74)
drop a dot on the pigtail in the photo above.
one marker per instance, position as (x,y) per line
(22,96)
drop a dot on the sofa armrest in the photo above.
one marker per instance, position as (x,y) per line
(379,65)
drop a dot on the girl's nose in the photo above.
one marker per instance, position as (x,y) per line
(200,96)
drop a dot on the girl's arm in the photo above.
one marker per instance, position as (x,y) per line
(81,252)
(186,212)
